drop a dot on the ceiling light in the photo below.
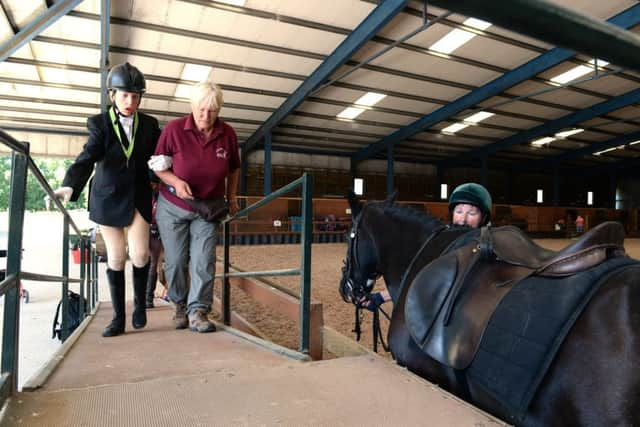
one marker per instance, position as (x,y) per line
(635,142)
(350,113)
(578,71)
(454,128)
(542,141)
(233,2)
(456,38)
(604,151)
(568,133)
(370,98)
(478,117)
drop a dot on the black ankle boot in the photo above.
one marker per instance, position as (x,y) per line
(116,288)
(140,277)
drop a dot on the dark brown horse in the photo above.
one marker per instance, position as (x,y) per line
(594,378)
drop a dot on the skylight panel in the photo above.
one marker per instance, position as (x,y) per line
(478,117)
(457,37)
(542,141)
(478,24)
(604,151)
(233,2)
(370,98)
(454,128)
(194,73)
(578,72)
(568,133)
(350,113)
(183,91)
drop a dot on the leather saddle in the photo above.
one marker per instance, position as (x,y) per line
(451,300)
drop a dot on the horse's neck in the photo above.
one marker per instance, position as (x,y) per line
(429,248)
(399,256)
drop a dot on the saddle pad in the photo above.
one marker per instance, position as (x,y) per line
(526,331)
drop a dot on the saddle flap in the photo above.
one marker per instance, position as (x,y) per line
(427,294)
(452,336)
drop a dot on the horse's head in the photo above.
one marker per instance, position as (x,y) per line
(362,267)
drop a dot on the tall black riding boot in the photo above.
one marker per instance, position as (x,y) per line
(151,284)
(140,277)
(116,288)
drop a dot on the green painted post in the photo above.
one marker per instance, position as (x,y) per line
(11,332)
(226,288)
(305,267)
(65,278)
(96,293)
(83,281)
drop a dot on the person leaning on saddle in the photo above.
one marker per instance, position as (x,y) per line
(121,141)
(198,161)
(469,206)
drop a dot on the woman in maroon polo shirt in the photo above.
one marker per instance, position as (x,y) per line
(196,158)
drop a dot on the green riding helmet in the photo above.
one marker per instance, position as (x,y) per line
(472,194)
(127,78)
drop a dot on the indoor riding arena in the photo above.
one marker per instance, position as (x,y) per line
(411,213)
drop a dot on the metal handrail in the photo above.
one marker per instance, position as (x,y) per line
(21,164)
(305,182)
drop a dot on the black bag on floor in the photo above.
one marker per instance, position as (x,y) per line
(74,314)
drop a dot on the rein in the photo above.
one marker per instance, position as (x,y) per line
(377,332)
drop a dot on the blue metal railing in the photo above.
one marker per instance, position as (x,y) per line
(21,164)
(305,183)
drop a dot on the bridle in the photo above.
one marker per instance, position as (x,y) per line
(357,291)
(352,289)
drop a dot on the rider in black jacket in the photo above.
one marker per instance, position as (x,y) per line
(121,141)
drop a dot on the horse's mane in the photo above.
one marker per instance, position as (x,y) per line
(409,214)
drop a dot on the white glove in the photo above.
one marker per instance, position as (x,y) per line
(62,193)
(160,162)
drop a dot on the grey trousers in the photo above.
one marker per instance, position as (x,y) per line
(189,242)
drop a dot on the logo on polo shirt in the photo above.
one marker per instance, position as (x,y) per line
(221,153)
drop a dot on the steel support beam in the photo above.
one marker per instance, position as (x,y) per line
(582,152)
(267,163)
(390,170)
(550,22)
(626,19)
(105,41)
(36,26)
(552,126)
(484,171)
(372,24)
(556,187)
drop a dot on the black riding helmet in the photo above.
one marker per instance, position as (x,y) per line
(127,78)
(472,194)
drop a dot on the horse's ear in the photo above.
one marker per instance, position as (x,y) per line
(354,203)
(391,199)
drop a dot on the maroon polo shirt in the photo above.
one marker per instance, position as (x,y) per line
(203,163)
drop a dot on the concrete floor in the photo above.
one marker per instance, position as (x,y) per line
(160,376)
